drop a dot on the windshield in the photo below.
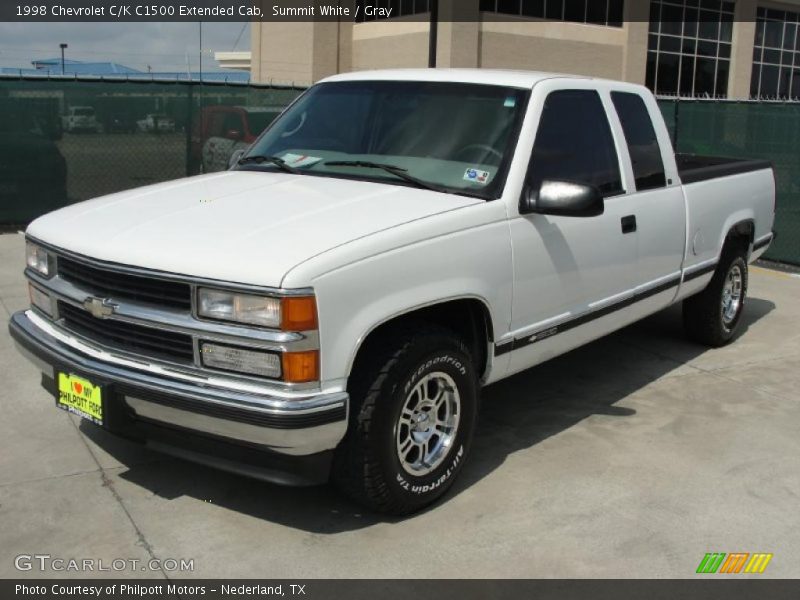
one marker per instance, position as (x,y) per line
(84,112)
(456,137)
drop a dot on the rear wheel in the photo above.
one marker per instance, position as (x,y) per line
(413,410)
(712,317)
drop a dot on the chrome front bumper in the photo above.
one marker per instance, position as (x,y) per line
(150,406)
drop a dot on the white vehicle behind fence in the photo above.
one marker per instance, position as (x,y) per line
(81,119)
(156,124)
(331,307)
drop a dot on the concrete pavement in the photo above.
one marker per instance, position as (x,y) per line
(631,457)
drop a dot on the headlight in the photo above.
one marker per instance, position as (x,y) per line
(294,313)
(240,308)
(37,259)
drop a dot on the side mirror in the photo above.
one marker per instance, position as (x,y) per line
(563,198)
(233,134)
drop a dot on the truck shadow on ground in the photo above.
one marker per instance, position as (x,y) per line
(516,414)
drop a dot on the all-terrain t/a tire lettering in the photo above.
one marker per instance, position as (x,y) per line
(412,420)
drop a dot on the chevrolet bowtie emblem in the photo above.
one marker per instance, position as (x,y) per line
(100,308)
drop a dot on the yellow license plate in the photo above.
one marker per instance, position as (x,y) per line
(81,397)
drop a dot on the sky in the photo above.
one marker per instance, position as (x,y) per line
(162,46)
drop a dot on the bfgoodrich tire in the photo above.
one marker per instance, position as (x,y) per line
(412,418)
(712,317)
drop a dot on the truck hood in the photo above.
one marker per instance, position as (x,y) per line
(243,226)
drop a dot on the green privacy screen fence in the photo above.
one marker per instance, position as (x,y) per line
(768,130)
(63,141)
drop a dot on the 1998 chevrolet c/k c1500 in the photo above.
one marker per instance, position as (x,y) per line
(331,306)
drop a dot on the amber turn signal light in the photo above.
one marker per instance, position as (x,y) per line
(298,313)
(301,367)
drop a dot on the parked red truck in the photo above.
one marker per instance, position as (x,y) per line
(223,130)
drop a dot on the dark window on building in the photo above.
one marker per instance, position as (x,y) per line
(596,12)
(400,8)
(689,47)
(776,55)
(648,167)
(574,143)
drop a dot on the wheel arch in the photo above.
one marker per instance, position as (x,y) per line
(741,234)
(741,237)
(468,316)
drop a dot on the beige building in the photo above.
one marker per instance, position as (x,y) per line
(735,49)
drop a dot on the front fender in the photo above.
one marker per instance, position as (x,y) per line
(355,299)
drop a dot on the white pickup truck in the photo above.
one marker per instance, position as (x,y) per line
(331,306)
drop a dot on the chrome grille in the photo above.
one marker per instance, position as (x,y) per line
(122,286)
(127,337)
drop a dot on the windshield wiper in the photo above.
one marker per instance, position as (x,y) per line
(275,160)
(393,169)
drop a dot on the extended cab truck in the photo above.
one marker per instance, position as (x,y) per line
(332,305)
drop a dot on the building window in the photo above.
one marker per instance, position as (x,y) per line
(399,8)
(596,12)
(776,55)
(689,47)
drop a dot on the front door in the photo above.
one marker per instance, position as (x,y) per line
(570,272)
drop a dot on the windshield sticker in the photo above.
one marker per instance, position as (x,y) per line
(300,160)
(477,176)
(510,102)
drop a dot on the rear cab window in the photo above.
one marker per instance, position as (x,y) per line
(640,136)
(216,124)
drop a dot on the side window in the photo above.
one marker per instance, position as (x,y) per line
(574,143)
(233,122)
(648,168)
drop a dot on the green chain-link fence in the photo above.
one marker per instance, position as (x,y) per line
(768,130)
(64,141)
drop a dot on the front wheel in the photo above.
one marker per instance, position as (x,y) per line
(712,317)
(413,412)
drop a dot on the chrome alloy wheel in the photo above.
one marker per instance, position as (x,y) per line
(732,295)
(428,424)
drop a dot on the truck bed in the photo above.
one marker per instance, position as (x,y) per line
(694,167)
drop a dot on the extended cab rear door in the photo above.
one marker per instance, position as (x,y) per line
(656,198)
